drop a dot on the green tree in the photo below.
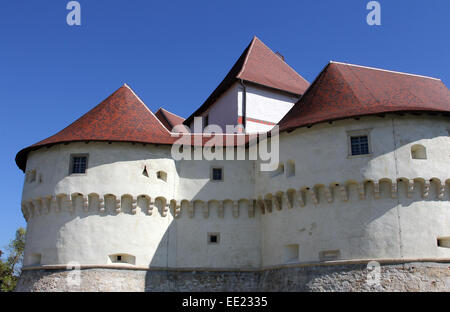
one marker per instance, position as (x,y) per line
(11,268)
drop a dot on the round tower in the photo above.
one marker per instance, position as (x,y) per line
(359,196)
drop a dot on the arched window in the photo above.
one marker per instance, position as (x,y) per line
(418,152)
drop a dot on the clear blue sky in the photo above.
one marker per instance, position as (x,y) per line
(174,53)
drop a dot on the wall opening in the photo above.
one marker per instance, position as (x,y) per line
(145,172)
(35,259)
(122,258)
(78,163)
(30,176)
(213,238)
(329,255)
(359,145)
(418,152)
(290,168)
(443,242)
(291,253)
(217,174)
(161,175)
(279,170)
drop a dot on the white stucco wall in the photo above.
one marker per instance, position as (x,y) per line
(224,111)
(89,237)
(265,105)
(386,227)
(262,104)
(401,220)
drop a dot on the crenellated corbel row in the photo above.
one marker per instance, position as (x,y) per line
(291,198)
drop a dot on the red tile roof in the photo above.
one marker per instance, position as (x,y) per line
(345,90)
(260,65)
(120,117)
(168,119)
(123,117)
(264,67)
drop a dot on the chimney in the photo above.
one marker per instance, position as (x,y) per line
(280,55)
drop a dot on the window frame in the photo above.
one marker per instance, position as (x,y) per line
(358,133)
(212,173)
(72,156)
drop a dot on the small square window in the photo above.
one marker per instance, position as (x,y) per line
(78,164)
(217,174)
(213,238)
(119,258)
(359,145)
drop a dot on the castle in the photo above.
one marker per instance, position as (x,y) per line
(362,177)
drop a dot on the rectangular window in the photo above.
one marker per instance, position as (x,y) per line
(213,238)
(359,145)
(217,174)
(78,164)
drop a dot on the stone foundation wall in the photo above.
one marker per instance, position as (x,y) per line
(415,276)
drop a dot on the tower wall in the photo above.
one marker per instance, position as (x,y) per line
(335,207)
(382,205)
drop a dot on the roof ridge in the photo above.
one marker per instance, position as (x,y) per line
(142,102)
(370,92)
(161,108)
(386,70)
(312,83)
(289,66)
(248,53)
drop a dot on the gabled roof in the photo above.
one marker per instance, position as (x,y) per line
(344,90)
(260,65)
(168,119)
(122,117)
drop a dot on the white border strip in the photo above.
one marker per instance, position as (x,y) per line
(385,70)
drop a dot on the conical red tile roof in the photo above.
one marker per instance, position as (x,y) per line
(345,90)
(122,117)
